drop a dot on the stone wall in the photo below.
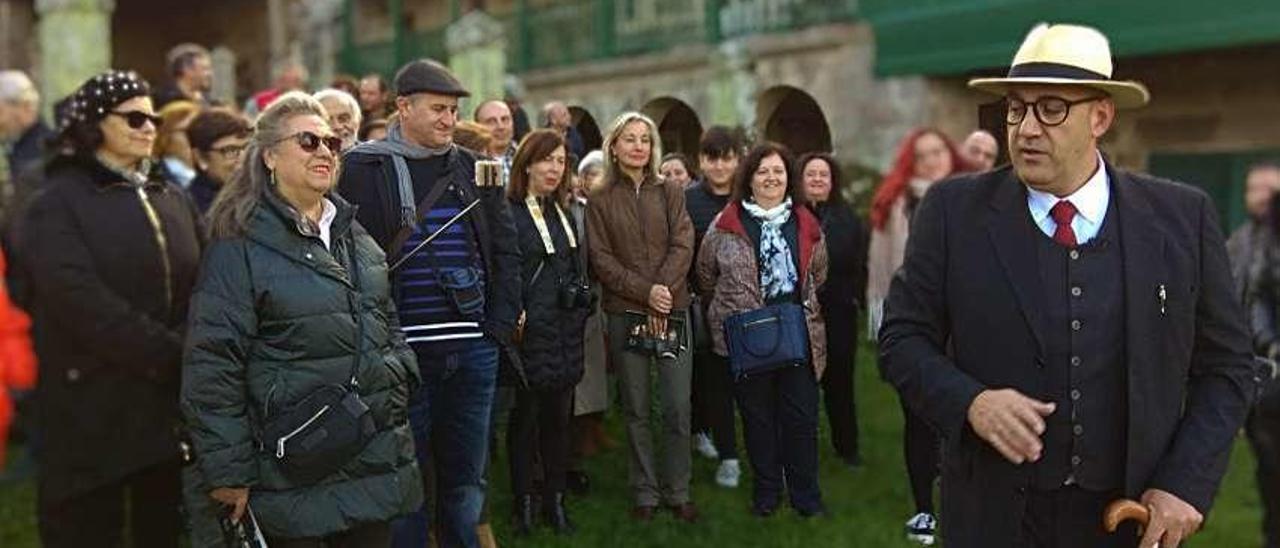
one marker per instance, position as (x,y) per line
(730,84)
(1213,101)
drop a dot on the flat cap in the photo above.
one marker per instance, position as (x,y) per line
(428,76)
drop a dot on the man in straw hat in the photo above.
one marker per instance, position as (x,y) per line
(1069,327)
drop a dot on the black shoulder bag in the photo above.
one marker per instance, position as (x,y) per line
(317,435)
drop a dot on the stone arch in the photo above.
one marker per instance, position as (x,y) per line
(678,125)
(792,117)
(587,127)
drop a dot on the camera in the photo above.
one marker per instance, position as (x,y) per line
(664,346)
(489,174)
(574,294)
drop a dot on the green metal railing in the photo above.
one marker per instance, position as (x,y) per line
(761,16)
(569,32)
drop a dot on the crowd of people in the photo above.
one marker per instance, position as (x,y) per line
(313,315)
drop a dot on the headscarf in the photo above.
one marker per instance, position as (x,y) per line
(97,96)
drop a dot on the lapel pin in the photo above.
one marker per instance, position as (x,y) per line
(1163,296)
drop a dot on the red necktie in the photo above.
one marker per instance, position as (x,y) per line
(1062,213)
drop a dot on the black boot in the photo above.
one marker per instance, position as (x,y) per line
(577,482)
(556,515)
(524,515)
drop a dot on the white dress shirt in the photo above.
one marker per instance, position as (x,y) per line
(1091,201)
(327,214)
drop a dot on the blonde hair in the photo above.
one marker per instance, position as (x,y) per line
(172,116)
(473,136)
(231,210)
(613,172)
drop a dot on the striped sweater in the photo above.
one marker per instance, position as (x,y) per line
(426,313)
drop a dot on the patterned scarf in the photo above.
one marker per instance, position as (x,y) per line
(777,269)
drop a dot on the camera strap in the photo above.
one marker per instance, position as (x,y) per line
(540,222)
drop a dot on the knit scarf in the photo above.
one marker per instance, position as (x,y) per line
(399,148)
(777,270)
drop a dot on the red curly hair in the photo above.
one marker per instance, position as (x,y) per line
(904,168)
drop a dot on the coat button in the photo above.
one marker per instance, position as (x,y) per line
(1075,394)
(1075,460)
(1075,291)
(1077,429)
(309,256)
(1075,325)
(73,375)
(1075,361)
(1074,254)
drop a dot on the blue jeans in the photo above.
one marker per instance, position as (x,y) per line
(450,419)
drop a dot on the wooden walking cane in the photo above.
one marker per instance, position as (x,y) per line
(1123,510)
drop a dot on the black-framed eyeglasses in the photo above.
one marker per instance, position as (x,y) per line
(309,141)
(136,118)
(1050,110)
(228,151)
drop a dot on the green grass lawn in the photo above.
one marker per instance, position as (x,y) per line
(867,506)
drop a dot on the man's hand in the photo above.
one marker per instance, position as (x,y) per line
(1010,422)
(1172,520)
(660,299)
(235,497)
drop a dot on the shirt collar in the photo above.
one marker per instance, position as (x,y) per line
(1091,200)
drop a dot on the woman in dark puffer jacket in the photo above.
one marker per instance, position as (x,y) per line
(292,291)
(556,303)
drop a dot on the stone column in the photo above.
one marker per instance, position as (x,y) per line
(734,89)
(322,34)
(75,44)
(478,57)
(224,75)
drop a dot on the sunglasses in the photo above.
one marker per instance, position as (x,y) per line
(309,142)
(136,118)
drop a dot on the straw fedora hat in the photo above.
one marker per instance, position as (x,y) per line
(1066,54)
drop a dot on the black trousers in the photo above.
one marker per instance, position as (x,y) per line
(97,517)
(780,422)
(539,434)
(1263,430)
(838,379)
(921,447)
(370,535)
(713,401)
(1071,517)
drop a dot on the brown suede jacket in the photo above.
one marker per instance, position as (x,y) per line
(728,270)
(638,239)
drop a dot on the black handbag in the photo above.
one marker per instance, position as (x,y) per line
(766,339)
(699,329)
(315,436)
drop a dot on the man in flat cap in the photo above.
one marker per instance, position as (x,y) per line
(1069,327)
(458,296)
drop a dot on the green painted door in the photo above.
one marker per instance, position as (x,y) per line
(1220,174)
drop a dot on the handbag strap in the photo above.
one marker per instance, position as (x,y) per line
(354,297)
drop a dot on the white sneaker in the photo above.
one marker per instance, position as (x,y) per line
(922,528)
(728,473)
(702,444)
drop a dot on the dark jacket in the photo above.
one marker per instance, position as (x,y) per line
(271,322)
(203,190)
(640,239)
(109,310)
(29,150)
(970,283)
(847,240)
(369,182)
(551,350)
